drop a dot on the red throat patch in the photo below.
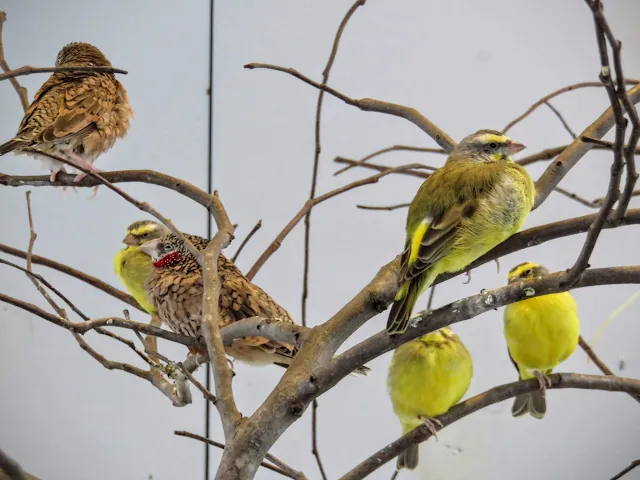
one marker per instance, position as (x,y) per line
(168,259)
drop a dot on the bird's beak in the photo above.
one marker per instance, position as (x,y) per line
(151,248)
(514,147)
(130,240)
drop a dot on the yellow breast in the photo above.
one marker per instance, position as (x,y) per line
(543,331)
(133,266)
(428,378)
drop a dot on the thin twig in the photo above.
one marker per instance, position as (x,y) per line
(432,294)
(61,267)
(144,206)
(383,207)
(372,105)
(307,218)
(384,168)
(281,468)
(22,92)
(8,466)
(555,93)
(613,191)
(561,118)
(634,464)
(551,153)
(256,227)
(483,400)
(599,363)
(394,148)
(29,70)
(275,245)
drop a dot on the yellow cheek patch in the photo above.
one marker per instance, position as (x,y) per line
(517,271)
(418,235)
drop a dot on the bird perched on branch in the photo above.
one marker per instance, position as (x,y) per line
(478,199)
(132,265)
(175,289)
(427,376)
(76,115)
(541,332)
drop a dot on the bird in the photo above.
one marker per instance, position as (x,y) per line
(175,289)
(132,265)
(541,332)
(75,115)
(478,199)
(427,376)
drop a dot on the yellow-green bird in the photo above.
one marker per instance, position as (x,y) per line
(133,265)
(541,332)
(478,199)
(427,376)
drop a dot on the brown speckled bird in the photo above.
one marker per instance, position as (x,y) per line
(175,289)
(77,115)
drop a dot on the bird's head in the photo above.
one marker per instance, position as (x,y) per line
(144,231)
(526,271)
(84,54)
(486,146)
(169,251)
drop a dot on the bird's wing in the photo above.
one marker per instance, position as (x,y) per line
(431,244)
(70,109)
(242,299)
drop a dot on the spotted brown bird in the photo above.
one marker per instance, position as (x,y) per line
(175,289)
(76,115)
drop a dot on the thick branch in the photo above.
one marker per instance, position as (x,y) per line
(222,374)
(483,400)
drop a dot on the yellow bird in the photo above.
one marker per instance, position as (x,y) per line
(541,332)
(478,199)
(427,376)
(133,265)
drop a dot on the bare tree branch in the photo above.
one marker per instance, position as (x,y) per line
(28,70)
(275,245)
(372,105)
(246,240)
(383,207)
(561,118)
(281,467)
(61,267)
(634,464)
(8,465)
(394,148)
(560,91)
(485,399)
(22,92)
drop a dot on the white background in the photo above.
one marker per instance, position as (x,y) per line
(466,65)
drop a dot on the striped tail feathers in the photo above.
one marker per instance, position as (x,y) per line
(402,307)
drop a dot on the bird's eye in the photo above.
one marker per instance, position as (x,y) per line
(526,273)
(167,247)
(145,234)
(493,145)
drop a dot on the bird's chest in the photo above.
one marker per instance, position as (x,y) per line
(178,300)
(505,207)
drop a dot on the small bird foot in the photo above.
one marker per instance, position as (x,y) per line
(54,174)
(432,424)
(543,380)
(95,192)
(468,275)
(497,260)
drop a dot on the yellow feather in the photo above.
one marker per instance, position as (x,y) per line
(427,376)
(133,266)
(417,237)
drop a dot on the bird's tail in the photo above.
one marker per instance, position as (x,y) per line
(408,458)
(533,403)
(403,304)
(10,146)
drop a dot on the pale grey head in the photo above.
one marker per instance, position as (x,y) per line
(485,146)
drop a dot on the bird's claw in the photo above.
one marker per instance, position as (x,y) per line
(543,381)
(432,424)
(468,275)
